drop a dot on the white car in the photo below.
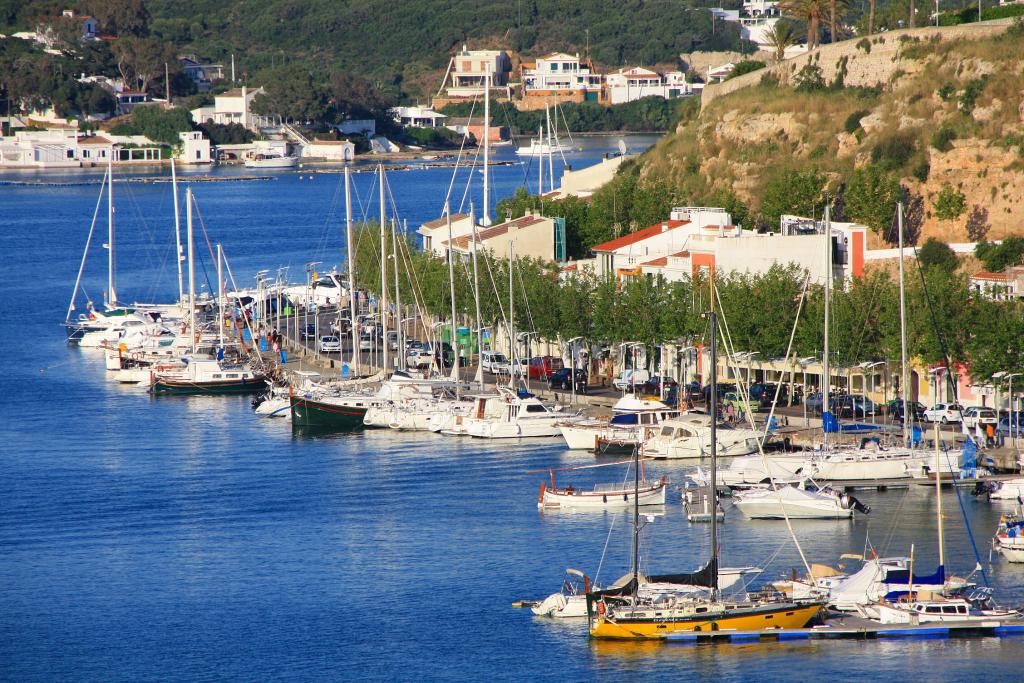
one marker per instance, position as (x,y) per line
(419,358)
(495,362)
(944,413)
(330,345)
(627,378)
(976,414)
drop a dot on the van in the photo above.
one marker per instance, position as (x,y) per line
(494,362)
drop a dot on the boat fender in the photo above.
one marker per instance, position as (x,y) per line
(604,498)
(600,608)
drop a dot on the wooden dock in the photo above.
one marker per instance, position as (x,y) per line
(857,628)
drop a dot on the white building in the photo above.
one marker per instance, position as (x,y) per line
(1002,286)
(435,232)
(634,83)
(417,117)
(203,75)
(558,74)
(329,150)
(56,148)
(531,236)
(469,70)
(47,35)
(234,106)
(195,149)
(756,18)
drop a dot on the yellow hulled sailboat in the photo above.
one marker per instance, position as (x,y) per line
(621,612)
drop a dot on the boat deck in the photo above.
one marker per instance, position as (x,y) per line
(883,484)
(857,628)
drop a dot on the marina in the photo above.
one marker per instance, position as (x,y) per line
(223,527)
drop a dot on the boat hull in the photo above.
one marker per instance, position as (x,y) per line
(187,388)
(772,510)
(307,412)
(785,615)
(594,500)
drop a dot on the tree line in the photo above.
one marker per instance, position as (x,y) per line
(944,315)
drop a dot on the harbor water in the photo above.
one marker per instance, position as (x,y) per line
(176,538)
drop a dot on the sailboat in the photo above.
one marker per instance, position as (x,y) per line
(621,613)
(602,496)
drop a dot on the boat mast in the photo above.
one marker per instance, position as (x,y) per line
(400,347)
(191,271)
(826,371)
(540,160)
(451,285)
(511,325)
(383,277)
(486,220)
(905,390)
(938,496)
(636,520)
(177,232)
(111,294)
(713,348)
(220,296)
(551,156)
(476,301)
(351,268)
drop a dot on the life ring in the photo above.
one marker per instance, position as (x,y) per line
(600,608)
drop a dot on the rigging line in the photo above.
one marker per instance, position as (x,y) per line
(469,180)
(741,385)
(85,253)
(963,512)
(604,551)
(526,299)
(330,219)
(458,159)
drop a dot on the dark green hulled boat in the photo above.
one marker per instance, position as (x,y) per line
(205,376)
(329,413)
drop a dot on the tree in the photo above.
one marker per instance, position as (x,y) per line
(871,197)
(355,97)
(291,92)
(792,192)
(781,36)
(833,6)
(120,17)
(977,223)
(141,60)
(871,17)
(157,124)
(936,254)
(950,203)
(811,12)
(997,257)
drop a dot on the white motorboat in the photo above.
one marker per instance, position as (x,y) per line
(928,609)
(1009,538)
(795,502)
(516,416)
(751,470)
(538,148)
(689,437)
(633,421)
(271,161)
(454,420)
(274,403)
(571,602)
(870,462)
(1011,489)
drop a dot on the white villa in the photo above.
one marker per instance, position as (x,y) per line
(435,232)
(234,106)
(634,83)
(469,70)
(560,74)
(195,149)
(329,150)
(417,117)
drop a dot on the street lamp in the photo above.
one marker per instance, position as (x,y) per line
(803,363)
(625,346)
(1014,427)
(572,370)
(864,367)
(683,381)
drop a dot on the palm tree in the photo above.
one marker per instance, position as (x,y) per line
(811,12)
(832,7)
(779,37)
(871,17)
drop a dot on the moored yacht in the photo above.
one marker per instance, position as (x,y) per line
(688,436)
(634,420)
(516,416)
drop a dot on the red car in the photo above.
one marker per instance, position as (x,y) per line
(541,367)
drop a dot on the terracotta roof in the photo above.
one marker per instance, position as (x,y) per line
(638,236)
(681,254)
(438,222)
(95,140)
(496,230)
(570,267)
(993,276)
(662,261)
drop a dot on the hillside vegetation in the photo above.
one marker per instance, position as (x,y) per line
(943,132)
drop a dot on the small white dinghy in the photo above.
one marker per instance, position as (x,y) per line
(603,496)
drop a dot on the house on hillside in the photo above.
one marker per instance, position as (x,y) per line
(201,73)
(756,19)
(417,117)
(531,236)
(634,83)
(233,106)
(55,148)
(329,150)
(469,69)
(563,76)
(1003,286)
(435,232)
(195,149)
(475,127)
(47,35)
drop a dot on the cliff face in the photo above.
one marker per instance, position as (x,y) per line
(940,109)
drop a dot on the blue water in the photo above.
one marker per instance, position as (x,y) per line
(185,539)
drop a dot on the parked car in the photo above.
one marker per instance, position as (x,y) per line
(894,411)
(627,378)
(768,395)
(368,340)
(732,398)
(814,403)
(723,389)
(559,379)
(330,344)
(652,387)
(944,413)
(544,366)
(419,358)
(974,415)
(494,362)
(1011,427)
(393,340)
(442,353)
(309,331)
(341,326)
(411,344)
